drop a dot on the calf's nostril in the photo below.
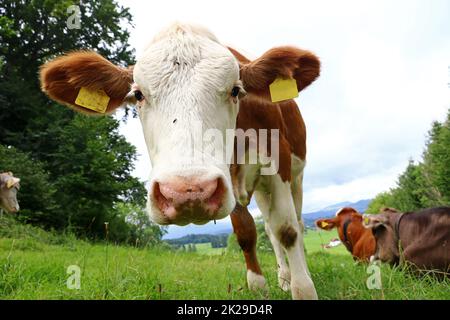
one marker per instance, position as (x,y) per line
(180,195)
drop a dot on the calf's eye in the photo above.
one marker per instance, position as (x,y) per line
(138,95)
(235,92)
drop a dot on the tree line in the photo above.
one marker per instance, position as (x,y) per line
(216,240)
(75,170)
(425,183)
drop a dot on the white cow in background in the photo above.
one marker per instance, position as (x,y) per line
(9,186)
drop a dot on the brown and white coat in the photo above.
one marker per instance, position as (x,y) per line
(186,77)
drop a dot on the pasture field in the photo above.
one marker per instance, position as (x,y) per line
(33,265)
(205,248)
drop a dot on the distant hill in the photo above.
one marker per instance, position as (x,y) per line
(224,226)
(216,240)
(330,211)
(221,227)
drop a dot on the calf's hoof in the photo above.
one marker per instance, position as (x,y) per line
(304,291)
(256,282)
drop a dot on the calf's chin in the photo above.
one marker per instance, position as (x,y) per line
(194,216)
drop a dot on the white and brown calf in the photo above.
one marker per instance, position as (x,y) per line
(185,84)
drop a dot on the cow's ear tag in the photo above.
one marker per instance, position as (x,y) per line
(96,100)
(10,183)
(283,89)
(324,224)
(366,221)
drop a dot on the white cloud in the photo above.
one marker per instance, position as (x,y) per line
(364,187)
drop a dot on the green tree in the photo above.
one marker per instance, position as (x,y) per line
(93,166)
(31,32)
(383,199)
(408,193)
(426,183)
(36,194)
(436,164)
(86,160)
(133,226)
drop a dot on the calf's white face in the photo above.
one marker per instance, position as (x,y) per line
(186,83)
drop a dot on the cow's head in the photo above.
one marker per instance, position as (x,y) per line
(9,185)
(186,86)
(348,222)
(383,229)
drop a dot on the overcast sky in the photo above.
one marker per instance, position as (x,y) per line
(385,75)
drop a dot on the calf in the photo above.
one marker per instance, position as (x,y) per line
(357,239)
(191,91)
(421,238)
(9,185)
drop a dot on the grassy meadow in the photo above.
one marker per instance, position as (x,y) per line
(33,265)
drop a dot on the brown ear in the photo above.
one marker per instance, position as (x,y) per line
(356,216)
(388,210)
(283,62)
(326,224)
(372,221)
(62,78)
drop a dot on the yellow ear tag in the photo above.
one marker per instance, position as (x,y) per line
(10,183)
(283,89)
(324,224)
(96,100)
(366,220)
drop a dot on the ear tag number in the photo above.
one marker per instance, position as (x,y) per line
(96,100)
(283,89)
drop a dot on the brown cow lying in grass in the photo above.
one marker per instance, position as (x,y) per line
(9,185)
(357,239)
(421,238)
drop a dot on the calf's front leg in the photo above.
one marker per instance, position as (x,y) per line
(245,230)
(283,223)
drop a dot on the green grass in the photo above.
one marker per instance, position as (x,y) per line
(315,239)
(205,248)
(33,268)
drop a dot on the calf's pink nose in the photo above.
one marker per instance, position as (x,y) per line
(179,191)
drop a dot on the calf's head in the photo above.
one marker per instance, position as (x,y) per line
(9,186)
(383,229)
(348,222)
(186,87)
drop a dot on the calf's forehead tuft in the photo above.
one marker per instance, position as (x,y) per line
(345,210)
(185,61)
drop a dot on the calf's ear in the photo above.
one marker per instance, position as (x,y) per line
(280,62)
(388,210)
(11,182)
(326,224)
(356,216)
(373,221)
(64,77)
